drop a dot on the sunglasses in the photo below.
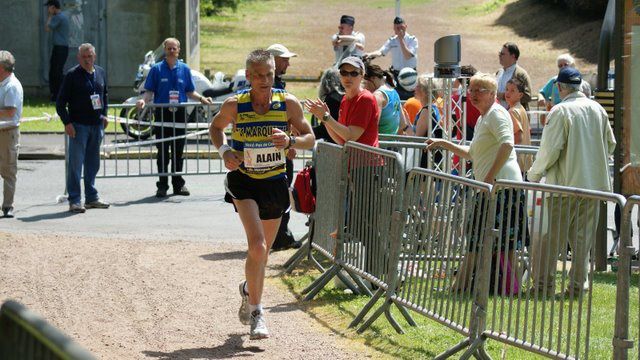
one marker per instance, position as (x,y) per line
(349,73)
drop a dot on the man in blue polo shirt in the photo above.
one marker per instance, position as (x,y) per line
(82,107)
(169,82)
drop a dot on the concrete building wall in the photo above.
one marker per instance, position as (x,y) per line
(122,31)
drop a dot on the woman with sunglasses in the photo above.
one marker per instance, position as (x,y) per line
(392,118)
(494,158)
(359,112)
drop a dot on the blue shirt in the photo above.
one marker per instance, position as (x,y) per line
(390,114)
(74,99)
(162,79)
(59,25)
(549,90)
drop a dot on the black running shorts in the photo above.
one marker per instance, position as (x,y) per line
(272,196)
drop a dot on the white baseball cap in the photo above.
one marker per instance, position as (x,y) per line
(279,50)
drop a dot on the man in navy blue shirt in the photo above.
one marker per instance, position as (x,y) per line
(82,106)
(169,82)
(58,24)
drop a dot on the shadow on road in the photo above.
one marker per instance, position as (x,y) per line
(283,308)
(232,348)
(146,200)
(232,255)
(51,216)
(551,23)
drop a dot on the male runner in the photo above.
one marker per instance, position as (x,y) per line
(257,183)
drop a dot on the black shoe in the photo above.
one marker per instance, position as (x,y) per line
(181,191)
(7,212)
(161,192)
(287,246)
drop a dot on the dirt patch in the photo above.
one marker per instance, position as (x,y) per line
(138,299)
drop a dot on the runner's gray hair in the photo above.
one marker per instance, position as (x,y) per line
(260,56)
(7,60)
(85,47)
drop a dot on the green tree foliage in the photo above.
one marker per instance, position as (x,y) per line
(214,7)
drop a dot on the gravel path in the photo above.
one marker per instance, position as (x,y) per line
(133,299)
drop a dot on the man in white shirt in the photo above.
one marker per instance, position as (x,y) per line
(508,57)
(11,98)
(574,151)
(403,47)
(347,42)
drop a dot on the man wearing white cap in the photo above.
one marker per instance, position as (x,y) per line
(281,55)
(284,238)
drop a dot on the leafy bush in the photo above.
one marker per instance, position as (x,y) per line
(214,7)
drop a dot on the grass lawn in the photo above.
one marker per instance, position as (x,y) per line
(335,310)
(39,107)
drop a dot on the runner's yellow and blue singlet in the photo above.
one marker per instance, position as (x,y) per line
(251,136)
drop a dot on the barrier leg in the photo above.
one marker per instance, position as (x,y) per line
(348,283)
(482,353)
(320,282)
(374,317)
(457,348)
(295,259)
(361,285)
(475,346)
(366,308)
(315,262)
(406,315)
(392,320)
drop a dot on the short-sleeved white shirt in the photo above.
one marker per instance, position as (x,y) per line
(398,62)
(339,50)
(492,130)
(11,95)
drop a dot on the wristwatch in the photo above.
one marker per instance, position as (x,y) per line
(326,116)
(292,141)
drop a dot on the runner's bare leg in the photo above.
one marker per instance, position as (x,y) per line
(260,236)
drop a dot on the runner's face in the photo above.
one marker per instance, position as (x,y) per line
(261,76)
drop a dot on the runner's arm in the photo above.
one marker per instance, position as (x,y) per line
(225,116)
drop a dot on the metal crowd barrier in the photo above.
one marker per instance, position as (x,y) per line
(371,186)
(537,298)
(26,335)
(134,141)
(434,255)
(627,336)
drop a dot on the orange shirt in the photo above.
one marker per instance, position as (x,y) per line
(412,106)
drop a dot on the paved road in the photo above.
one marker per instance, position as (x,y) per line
(135,213)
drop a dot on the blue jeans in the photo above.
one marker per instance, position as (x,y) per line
(84,149)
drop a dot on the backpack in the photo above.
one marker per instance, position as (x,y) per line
(304,194)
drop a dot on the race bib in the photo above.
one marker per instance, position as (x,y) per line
(262,155)
(174,97)
(96,102)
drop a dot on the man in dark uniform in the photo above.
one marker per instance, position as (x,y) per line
(284,238)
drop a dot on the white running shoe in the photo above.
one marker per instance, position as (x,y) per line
(243,313)
(258,326)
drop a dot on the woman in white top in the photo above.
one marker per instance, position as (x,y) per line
(494,158)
